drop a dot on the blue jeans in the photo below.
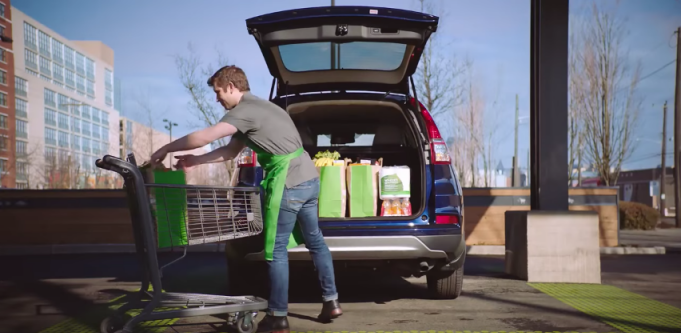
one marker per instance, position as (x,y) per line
(299,203)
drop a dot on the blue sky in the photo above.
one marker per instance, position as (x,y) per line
(146,34)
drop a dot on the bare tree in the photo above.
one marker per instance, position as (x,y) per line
(144,102)
(605,88)
(439,75)
(193,74)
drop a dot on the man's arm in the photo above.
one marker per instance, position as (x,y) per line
(201,138)
(224,153)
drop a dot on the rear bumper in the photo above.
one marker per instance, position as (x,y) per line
(449,248)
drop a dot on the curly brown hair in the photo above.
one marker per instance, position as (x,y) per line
(228,74)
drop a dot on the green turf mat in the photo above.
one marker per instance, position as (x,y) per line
(624,310)
(89,322)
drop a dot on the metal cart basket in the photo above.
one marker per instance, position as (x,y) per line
(204,214)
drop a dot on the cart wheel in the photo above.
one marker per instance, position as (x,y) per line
(243,327)
(113,324)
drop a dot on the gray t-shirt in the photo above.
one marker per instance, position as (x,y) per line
(270,127)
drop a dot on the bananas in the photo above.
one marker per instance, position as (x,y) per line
(323,161)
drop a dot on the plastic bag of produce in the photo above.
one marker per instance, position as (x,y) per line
(394,182)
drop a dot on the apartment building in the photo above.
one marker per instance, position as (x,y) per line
(7,111)
(65,107)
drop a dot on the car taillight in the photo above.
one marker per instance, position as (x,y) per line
(438,147)
(247,158)
(447,219)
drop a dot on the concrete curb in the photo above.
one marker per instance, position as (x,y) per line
(500,250)
(476,250)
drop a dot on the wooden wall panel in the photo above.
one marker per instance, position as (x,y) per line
(483,225)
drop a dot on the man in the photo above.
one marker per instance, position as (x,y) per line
(291,185)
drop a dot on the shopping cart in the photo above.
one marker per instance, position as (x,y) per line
(206,214)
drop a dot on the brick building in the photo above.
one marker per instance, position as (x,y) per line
(7,106)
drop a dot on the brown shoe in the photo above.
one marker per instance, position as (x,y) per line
(330,310)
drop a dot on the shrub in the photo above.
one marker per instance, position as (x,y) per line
(637,216)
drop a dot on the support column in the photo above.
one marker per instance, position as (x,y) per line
(544,244)
(549,104)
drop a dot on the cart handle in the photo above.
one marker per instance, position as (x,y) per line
(115,164)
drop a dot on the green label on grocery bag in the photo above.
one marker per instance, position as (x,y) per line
(331,191)
(171,209)
(361,191)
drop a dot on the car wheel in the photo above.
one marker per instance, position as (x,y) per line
(445,284)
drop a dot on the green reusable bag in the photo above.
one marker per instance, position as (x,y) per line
(170,210)
(362,190)
(332,191)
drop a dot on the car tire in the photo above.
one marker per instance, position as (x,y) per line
(445,284)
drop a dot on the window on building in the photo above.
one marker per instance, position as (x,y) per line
(34,73)
(49,97)
(63,120)
(2,10)
(3,99)
(80,83)
(45,78)
(4,167)
(80,63)
(95,147)
(75,106)
(45,66)
(95,114)
(3,55)
(57,51)
(50,117)
(95,131)
(63,139)
(90,69)
(105,147)
(70,78)
(85,128)
(22,170)
(69,61)
(85,143)
(4,142)
(75,142)
(50,136)
(2,30)
(90,88)
(20,86)
(22,148)
(105,118)
(63,102)
(44,43)
(57,72)
(85,111)
(22,129)
(31,59)
(75,124)
(4,121)
(30,35)
(50,155)
(3,77)
(21,108)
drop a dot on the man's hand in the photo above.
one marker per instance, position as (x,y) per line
(158,156)
(187,162)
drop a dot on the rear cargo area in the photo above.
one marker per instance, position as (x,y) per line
(362,130)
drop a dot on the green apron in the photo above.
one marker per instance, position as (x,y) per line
(276,170)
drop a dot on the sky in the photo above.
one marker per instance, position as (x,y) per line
(145,35)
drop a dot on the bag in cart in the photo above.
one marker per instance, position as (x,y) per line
(165,211)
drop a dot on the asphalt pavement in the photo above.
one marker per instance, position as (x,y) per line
(42,293)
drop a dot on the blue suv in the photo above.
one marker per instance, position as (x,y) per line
(344,74)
